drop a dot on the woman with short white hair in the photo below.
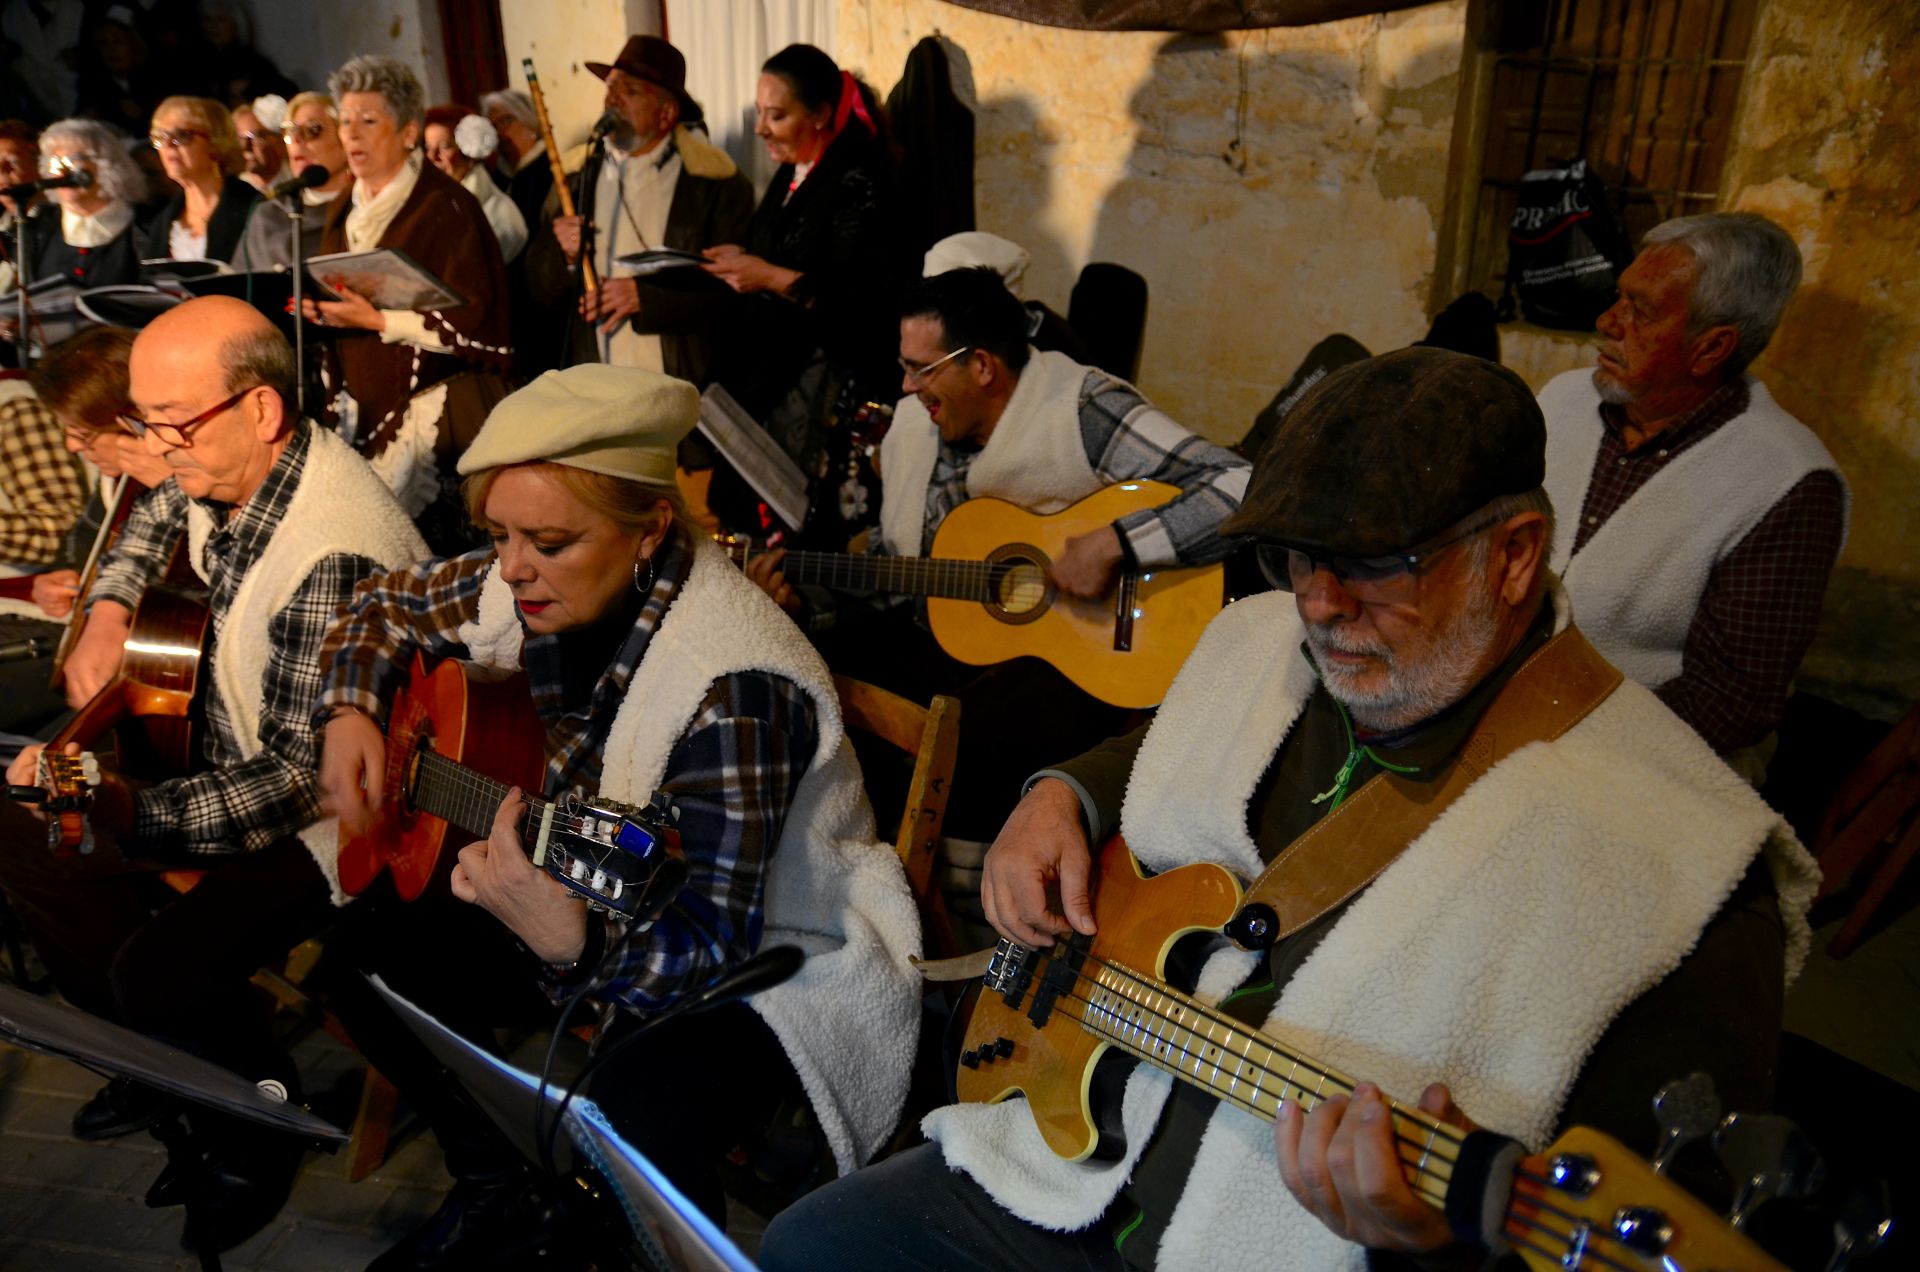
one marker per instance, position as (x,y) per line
(410,389)
(87,235)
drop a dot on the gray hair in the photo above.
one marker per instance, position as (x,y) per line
(387,76)
(1478,547)
(116,175)
(514,102)
(1746,268)
(264,357)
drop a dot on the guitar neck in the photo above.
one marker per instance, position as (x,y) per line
(899,576)
(461,797)
(1239,1065)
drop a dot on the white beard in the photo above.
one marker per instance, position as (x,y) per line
(1414,690)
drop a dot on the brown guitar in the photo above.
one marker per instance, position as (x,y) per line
(989,598)
(1047,1016)
(456,743)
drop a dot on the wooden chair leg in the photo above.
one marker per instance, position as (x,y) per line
(372,1126)
(1889,873)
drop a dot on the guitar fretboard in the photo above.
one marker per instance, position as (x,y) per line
(903,576)
(1239,1065)
(462,797)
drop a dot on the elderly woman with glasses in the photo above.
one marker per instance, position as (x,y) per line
(201,154)
(87,235)
(411,389)
(311,132)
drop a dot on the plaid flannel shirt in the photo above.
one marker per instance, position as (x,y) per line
(732,775)
(238,804)
(46,487)
(1762,602)
(1127,438)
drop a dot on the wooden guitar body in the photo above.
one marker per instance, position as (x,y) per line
(486,725)
(1138,921)
(1123,649)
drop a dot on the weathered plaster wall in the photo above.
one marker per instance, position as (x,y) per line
(1273,186)
(309,43)
(561,36)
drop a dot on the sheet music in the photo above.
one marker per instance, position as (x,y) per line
(755,455)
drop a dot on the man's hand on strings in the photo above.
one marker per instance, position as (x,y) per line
(764,570)
(96,656)
(1089,565)
(1041,849)
(611,303)
(353,770)
(496,875)
(1341,1163)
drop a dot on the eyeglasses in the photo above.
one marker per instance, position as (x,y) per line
(918,374)
(176,139)
(175,435)
(1371,579)
(60,165)
(304,132)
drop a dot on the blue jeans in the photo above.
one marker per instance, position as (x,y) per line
(911,1211)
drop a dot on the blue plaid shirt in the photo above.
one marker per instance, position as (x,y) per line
(732,775)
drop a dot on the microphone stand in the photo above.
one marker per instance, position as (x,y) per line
(297,214)
(22,345)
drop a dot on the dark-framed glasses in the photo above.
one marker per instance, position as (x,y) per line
(175,435)
(919,373)
(175,139)
(1366,578)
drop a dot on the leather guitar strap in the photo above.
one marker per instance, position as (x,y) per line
(1346,850)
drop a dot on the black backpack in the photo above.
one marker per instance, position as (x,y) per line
(1566,246)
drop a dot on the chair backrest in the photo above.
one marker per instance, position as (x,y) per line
(1108,311)
(930,734)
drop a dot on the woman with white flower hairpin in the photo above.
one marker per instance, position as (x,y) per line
(459,140)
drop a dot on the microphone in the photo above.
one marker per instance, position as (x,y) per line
(39,647)
(78,179)
(608,121)
(312,177)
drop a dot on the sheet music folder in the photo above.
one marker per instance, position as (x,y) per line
(672,1231)
(754,454)
(55,1029)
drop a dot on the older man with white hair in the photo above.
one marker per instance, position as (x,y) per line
(1700,520)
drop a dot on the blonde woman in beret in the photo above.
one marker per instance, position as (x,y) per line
(654,666)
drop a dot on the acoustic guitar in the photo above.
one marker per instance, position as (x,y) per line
(1046,1018)
(989,599)
(456,744)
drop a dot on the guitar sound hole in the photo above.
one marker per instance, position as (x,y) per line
(1021,592)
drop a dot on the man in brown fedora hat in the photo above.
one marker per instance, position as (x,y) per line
(648,181)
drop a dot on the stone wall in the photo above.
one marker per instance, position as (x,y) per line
(1273,186)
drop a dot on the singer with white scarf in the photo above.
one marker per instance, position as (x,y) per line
(410,390)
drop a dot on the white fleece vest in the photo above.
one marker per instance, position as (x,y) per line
(339,506)
(1639,579)
(849,1020)
(1034,459)
(1491,955)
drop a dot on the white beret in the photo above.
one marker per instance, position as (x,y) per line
(620,421)
(975,248)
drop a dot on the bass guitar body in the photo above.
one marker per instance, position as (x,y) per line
(1138,919)
(1123,649)
(488,726)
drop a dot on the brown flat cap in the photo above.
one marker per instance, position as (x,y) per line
(1383,455)
(652,59)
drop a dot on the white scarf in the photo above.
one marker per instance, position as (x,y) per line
(372,214)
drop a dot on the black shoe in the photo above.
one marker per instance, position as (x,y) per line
(501,1222)
(242,1183)
(121,1107)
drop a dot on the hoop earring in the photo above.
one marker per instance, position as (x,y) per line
(638,586)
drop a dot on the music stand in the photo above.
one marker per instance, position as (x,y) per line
(669,1231)
(55,1029)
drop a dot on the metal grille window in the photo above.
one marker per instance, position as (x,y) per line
(1645,90)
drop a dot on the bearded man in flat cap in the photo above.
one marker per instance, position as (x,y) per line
(1593,858)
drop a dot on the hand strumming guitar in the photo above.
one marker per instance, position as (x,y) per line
(353,769)
(1090,564)
(1043,844)
(497,875)
(96,655)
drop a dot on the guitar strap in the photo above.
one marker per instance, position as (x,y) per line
(1343,852)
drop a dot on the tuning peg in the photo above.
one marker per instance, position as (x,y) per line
(1862,1226)
(1769,1157)
(1686,1109)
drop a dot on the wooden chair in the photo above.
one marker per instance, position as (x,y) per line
(931,734)
(1878,803)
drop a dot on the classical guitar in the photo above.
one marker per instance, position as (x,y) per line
(1046,1017)
(989,599)
(456,744)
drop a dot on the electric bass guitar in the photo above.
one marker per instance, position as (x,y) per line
(989,598)
(456,744)
(1046,1017)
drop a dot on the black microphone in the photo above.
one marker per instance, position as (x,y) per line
(608,121)
(78,179)
(312,177)
(40,647)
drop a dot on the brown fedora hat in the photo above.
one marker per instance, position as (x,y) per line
(652,59)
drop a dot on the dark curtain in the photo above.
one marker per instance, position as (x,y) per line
(470,35)
(1182,15)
